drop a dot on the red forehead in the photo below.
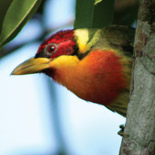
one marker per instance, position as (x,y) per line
(58,37)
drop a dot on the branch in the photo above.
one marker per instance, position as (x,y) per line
(140,126)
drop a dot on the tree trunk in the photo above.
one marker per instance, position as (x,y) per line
(139,134)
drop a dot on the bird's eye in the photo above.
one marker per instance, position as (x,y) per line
(52,48)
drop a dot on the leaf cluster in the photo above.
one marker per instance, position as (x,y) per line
(14,14)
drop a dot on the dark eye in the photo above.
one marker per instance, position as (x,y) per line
(52,48)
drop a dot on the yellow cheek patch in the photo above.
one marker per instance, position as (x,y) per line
(82,39)
(64,61)
(64,67)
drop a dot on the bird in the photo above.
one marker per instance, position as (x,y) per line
(95,64)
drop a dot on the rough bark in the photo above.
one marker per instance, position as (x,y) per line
(139,134)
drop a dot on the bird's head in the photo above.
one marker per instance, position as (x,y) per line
(64,47)
(60,43)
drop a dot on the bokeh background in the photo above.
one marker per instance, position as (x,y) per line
(41,117)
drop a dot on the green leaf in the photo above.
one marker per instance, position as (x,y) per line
(3,10)
(83,17)
(97,1)
(19,12)
(93,13)
(103,13)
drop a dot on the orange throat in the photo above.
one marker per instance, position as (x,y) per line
(99,77)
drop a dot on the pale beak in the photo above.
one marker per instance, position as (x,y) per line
(32,65)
